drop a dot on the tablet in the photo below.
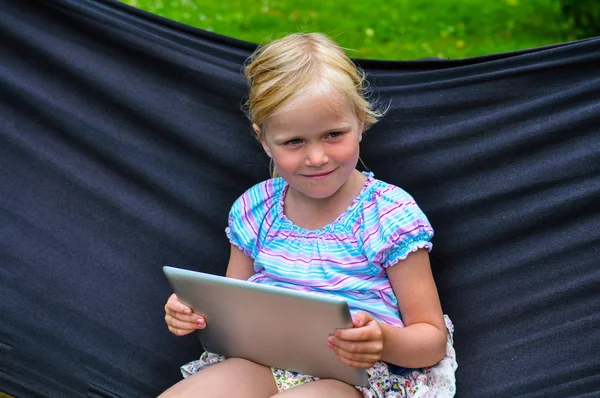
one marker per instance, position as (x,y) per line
(269,325)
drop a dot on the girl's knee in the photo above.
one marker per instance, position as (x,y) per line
(321,388)
(232,377)
(242,363)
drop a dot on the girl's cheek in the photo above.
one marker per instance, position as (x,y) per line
(288,162)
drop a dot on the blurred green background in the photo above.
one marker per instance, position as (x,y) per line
(395,29)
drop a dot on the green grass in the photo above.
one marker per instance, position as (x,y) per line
(382,29)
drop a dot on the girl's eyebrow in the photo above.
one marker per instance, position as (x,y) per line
(285,136)
(280,138)
(341,127)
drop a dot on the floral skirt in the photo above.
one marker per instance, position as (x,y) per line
(384,381)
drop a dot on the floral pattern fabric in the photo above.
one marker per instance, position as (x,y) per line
(434,382)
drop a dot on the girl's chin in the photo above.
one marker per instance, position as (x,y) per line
(316,192)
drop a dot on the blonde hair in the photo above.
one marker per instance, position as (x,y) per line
(284,68)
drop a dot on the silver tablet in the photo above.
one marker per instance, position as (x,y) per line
(268,325)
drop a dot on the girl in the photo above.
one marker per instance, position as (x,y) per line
(322,226)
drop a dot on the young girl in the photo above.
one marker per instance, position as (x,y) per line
(324,227)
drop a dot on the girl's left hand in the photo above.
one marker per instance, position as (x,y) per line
(361,346)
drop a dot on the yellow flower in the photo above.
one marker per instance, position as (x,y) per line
(512,3)
(460,44)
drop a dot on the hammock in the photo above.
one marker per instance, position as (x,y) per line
(122,147)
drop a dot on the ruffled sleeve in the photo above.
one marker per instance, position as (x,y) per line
(393,226)
(248,215)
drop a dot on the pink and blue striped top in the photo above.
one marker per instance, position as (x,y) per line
(346,258)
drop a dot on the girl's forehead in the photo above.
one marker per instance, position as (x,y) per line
(315,100)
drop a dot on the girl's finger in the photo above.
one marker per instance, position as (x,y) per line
(177,306)
(177,324)
(362,318)
(360,347)
(362,358)
(355,364)
(365,333)
(194,318)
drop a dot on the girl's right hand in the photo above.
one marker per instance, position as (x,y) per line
(180,318)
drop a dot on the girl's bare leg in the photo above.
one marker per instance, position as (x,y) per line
(233,377)
(321,388)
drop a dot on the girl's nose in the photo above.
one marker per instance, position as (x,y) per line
(316,157)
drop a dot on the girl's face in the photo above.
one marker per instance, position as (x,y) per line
(314,141)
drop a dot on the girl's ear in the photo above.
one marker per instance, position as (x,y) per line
(361,129)
(266,148)
(256,131)
(261,139)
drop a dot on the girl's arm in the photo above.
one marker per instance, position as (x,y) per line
(422,342)
(240,265)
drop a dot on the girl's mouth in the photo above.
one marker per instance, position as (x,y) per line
(318,176)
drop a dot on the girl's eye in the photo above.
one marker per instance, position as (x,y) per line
(295,141)
(334,134)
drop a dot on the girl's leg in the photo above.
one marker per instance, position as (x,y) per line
(233,377)
(321,388)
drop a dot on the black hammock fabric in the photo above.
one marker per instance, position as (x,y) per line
(123,146)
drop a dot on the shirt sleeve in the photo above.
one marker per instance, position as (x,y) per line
(393,227)
(242,229)
(246,223)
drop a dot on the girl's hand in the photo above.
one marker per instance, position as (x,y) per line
(361,346)
(180,318)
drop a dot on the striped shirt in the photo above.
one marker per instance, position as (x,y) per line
(346,258)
